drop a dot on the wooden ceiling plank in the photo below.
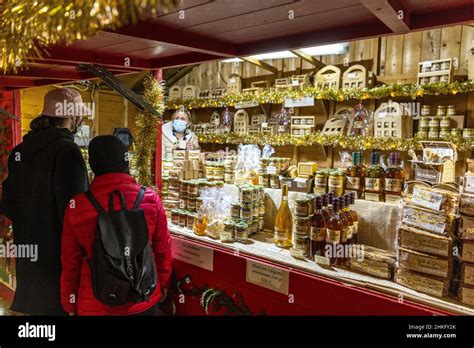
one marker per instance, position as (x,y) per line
(183,59)
(194,42)
(392,13)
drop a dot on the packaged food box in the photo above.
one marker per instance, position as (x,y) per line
(425,242)
(376,262)
(434,286)
(424,263)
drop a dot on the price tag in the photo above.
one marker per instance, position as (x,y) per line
(322,260)
(299,102)
(297,254)
(295,82)
(267,276)
(246,104)
(271,170)
(427,64)
(264,124)
(232,80)
(193,254)
(352,75)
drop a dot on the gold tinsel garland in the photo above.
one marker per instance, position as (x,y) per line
(277,97)
(147,124)
(318,138)
(28,26)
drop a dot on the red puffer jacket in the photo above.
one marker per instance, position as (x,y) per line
(78,237)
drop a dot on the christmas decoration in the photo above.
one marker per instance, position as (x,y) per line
(319,138)
(278,96)
(147,124)
(28,27)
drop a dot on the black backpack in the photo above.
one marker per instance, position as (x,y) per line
(123,269)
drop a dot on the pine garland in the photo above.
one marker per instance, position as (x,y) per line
(273,96)
(147,124)
(214,300)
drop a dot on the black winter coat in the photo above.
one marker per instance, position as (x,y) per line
(44,172)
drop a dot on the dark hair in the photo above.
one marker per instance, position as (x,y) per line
(45,122)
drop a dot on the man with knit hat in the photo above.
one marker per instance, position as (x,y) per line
(44,172)
(108,159)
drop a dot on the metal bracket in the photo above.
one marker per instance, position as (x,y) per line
(113,82)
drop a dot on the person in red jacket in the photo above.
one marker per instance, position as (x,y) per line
(108,160)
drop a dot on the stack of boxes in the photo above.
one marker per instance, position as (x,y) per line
(464,287)
(185,165)
(426,238)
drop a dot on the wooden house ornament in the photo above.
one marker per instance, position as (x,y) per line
(175,93)
(328,77)
(392,120)
(241,121)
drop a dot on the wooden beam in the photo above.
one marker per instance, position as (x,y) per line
(261,64)
(195,42)
(456,15)
(392,13)
(178,75)
(310,59)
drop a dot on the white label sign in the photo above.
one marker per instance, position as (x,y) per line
(427,198)
(271,170)
(298,102)
(246,104)
(269,277)
(193,254)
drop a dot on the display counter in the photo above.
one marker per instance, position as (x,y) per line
(272,282)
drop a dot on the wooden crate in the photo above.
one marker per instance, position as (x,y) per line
(328,77)
(392,120)
(302,125)
(175,93)
(440,70)
(432,172)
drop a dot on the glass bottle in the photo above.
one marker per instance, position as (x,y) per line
(325,210)
(394,177)
(331,196)
(283,222)
(355,174)
(318,229)
(333,233)
(374,179)
(355,219)
(360,124)
(345,228)
(346,199)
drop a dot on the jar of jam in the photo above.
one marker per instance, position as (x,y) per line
(254,227)
(434,122)
(468,133)
(241,233)
(229,177)
(246,213)
(457,132)
(182,219)
(175,216)
(300,248)
(441,110)
(320,182)
(246,195)
(264,180)
(301,207)
(193,188)
(235,210)
(451,110)
(260,224)
(227,235)
(190,220)
(198,203)
(275,182)
(444,132)
(261,209)
(191,203)
(425,111)
(302,225)
(433,133)
(445,122)
(173,185)
(336,182)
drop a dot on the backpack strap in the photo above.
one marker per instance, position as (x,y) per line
(140,195)
(94,202)
(122,200)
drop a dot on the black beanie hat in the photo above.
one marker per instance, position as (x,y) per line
(108,154)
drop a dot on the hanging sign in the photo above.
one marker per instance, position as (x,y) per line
(299,102)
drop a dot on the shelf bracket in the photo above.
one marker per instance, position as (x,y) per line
(261,64)
(310,59)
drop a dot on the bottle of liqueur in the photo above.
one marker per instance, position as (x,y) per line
(318,229)
(345,229)
(333,234)
(355,218)
(283,222)
(331,196)
(374,179)
(346,200)
(360,125)
(394,178)
(355,174)
(325,211)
